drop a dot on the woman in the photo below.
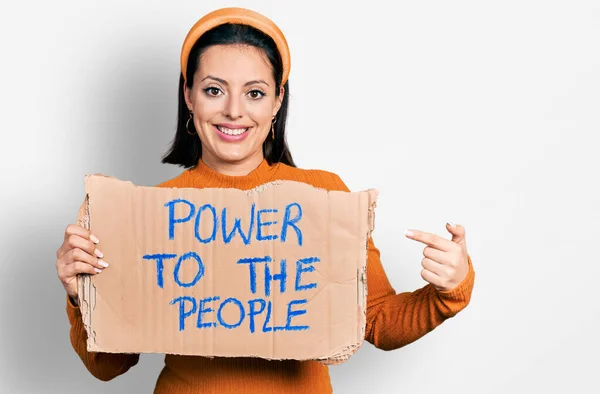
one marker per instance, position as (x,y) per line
(233,103)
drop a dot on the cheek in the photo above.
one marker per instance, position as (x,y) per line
(206,110)
(261,113)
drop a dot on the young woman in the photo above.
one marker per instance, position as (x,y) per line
(233,103)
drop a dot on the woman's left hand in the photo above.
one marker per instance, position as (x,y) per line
(445,264)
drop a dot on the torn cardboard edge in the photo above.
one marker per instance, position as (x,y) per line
(87,288)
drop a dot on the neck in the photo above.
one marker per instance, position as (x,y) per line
(242,175)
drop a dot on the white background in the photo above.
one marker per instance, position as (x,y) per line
(477,112)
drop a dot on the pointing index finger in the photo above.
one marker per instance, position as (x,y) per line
(435,241)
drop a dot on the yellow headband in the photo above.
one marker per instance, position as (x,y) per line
(238,16)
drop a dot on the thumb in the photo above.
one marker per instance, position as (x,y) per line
(457,231)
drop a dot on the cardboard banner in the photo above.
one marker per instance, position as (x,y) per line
(277,272)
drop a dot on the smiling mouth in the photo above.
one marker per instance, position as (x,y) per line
(234,132)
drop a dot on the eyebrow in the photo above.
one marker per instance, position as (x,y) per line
(224,82)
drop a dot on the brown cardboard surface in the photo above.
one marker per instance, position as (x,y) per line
(200,297)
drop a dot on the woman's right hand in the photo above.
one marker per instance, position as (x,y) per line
(78,255)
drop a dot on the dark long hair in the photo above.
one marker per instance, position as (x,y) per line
(186,149)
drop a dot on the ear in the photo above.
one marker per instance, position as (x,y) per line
(278,101)
(187,95)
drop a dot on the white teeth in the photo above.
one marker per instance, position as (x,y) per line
(227,131)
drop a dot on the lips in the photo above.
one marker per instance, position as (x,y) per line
(232,131)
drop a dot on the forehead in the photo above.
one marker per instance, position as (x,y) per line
(235,63)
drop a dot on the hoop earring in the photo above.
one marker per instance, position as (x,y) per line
(273,127)
(187,124)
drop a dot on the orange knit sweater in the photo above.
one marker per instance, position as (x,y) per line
(393,320)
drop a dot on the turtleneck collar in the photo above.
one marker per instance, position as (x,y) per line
(205,176)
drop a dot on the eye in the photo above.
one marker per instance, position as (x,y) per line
(256,94)
(212,91)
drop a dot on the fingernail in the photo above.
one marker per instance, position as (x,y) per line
(98,270)
(98,253)
(103,263)
(451,224)
(94,239)
(408,233)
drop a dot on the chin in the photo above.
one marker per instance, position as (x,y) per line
(232,155)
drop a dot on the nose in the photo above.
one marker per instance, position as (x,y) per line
(233,107)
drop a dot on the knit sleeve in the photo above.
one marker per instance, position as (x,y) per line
(104,366)
(395,320)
